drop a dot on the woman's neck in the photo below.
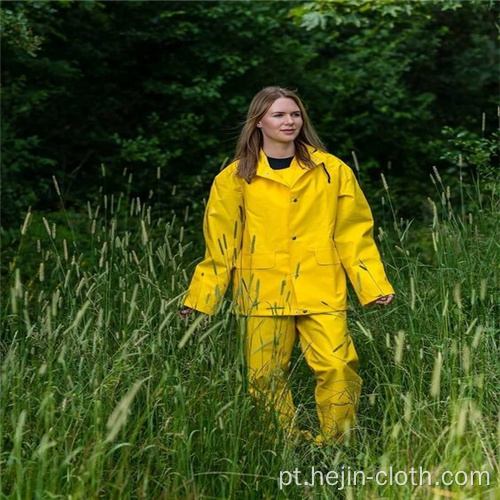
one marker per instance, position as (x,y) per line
(278,150)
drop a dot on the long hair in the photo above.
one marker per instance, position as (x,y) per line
(251,140)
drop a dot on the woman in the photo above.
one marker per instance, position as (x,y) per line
(285,222)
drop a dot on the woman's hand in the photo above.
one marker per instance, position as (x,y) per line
(384,301)
(184,313)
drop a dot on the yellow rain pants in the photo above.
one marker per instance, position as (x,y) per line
(329,352)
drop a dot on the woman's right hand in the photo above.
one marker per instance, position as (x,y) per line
(184,312)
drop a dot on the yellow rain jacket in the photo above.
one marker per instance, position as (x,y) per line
(287,240)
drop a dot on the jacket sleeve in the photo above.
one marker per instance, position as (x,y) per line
(222,230)
(353,236)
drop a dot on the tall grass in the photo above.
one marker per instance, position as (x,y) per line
(107,393)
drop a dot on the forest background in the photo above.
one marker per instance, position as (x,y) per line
(116,116)
(158,90)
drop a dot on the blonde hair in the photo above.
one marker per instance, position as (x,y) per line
(250,141)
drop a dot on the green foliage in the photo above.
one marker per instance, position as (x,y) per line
(468,150)
(360,13)
(16,31)
(142,86)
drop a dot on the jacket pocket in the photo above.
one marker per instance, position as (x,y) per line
(327,256)
(264,260)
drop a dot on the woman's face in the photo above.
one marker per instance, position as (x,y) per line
(282,122)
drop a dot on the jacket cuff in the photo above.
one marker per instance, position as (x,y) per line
(366,300)
(202,295)
(370,282)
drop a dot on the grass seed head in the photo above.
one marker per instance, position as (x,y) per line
(26,223)
(436,376)
(436,173)
(56,185)
(400,341)
(384,182)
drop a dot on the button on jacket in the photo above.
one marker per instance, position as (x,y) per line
(286,242)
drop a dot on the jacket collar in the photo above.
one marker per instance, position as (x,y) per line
(265,171)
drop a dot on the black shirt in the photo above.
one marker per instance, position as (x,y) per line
(280,163)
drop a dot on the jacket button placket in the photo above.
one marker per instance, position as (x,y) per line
(293,252)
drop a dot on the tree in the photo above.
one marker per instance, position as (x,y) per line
(146,86)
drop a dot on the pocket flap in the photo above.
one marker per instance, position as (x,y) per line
(327,256)
(264,260)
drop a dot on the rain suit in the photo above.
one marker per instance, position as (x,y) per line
(287,244)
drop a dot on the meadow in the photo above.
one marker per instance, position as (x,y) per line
(107,393)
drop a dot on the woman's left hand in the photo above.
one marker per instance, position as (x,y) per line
(384,301)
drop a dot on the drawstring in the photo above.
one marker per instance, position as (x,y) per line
(326,172)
